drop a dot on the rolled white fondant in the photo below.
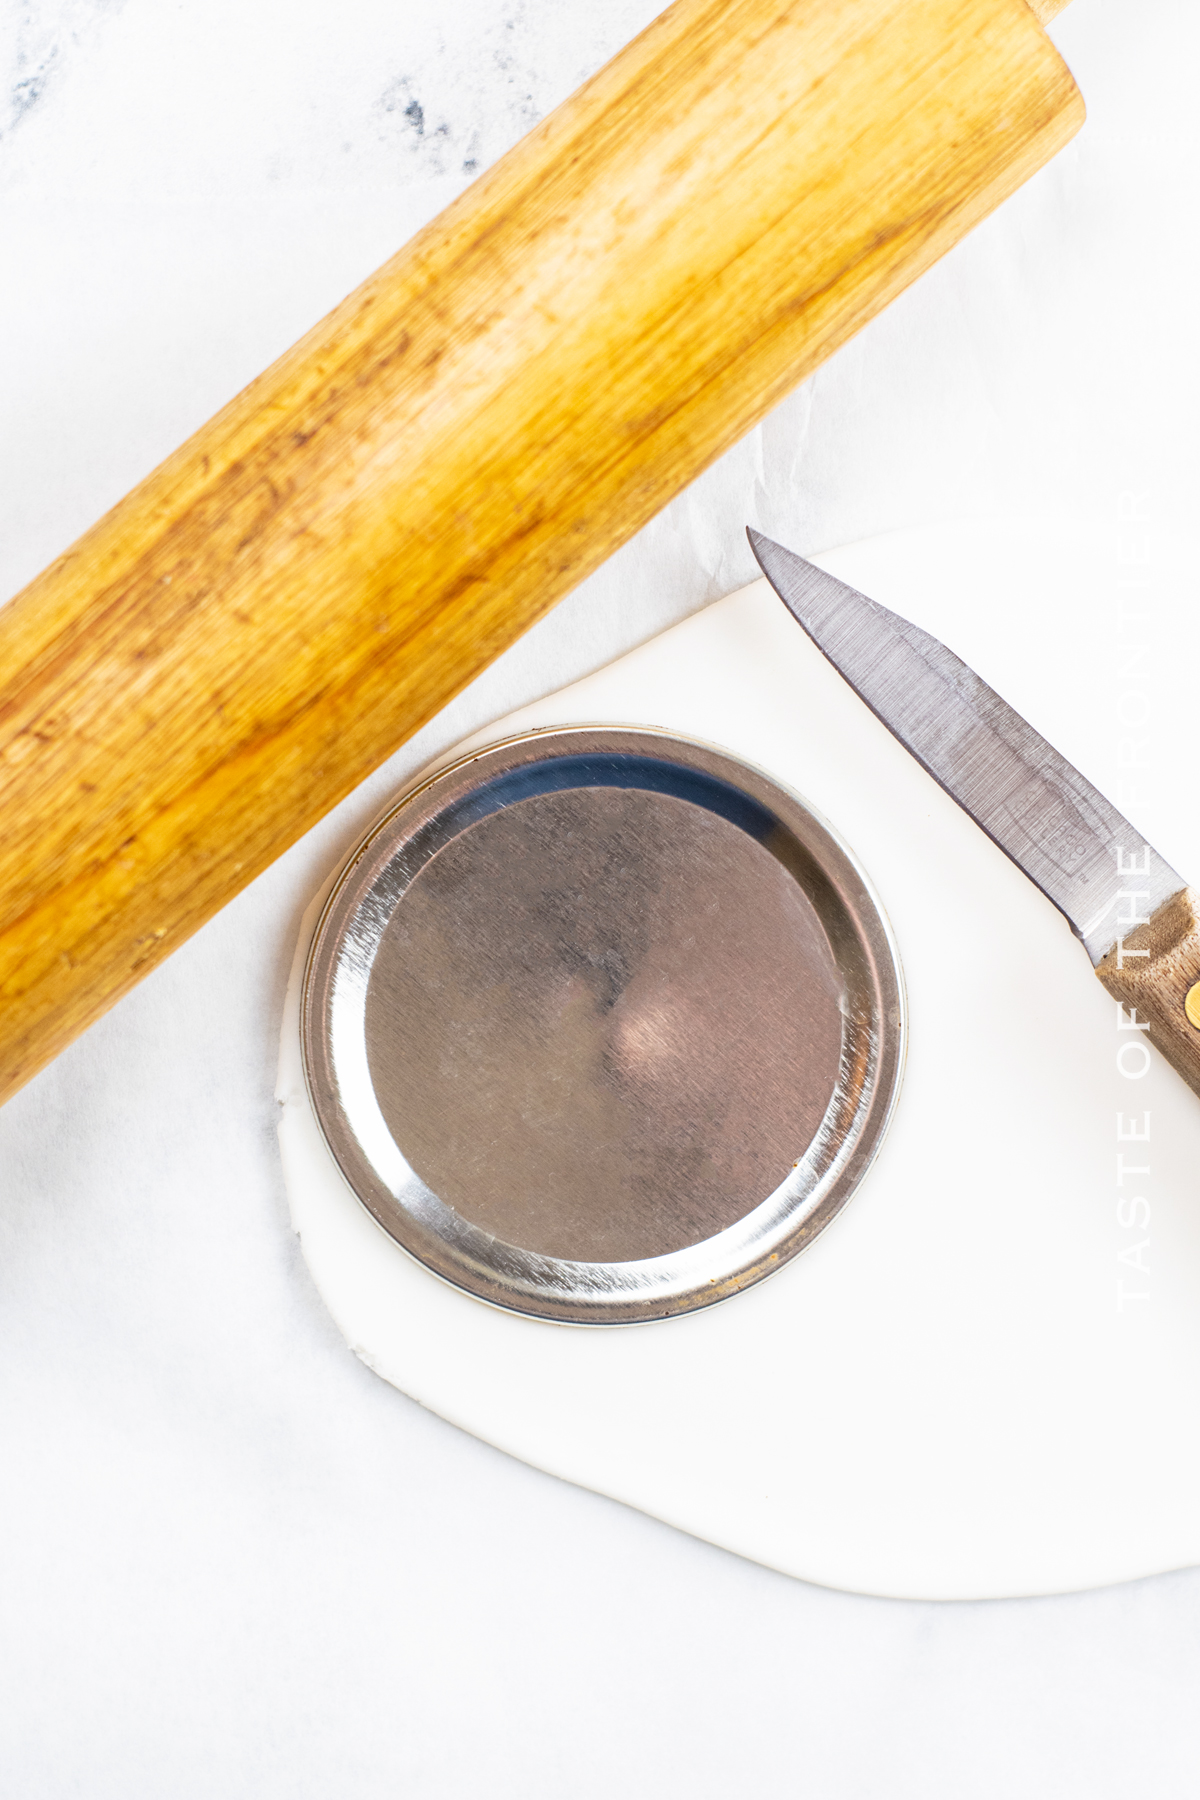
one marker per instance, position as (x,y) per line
(982,1379)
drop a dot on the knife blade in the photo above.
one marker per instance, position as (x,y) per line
(1135,915)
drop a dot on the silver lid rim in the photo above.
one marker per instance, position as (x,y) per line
(515,1279)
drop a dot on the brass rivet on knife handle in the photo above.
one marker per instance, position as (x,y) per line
(330,559)
(1154,971)
(1191,1005)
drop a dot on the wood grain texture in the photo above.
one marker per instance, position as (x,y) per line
(1160,961)
(322,566)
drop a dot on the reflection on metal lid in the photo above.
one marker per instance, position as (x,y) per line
(602,1025)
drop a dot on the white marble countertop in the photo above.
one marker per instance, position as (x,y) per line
(235,1561)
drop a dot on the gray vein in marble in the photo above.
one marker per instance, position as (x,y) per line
(38,38)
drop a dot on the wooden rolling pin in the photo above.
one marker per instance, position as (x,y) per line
(323,565)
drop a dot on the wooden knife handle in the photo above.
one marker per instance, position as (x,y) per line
(1155,974)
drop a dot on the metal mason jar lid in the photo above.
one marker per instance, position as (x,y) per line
(602,1025)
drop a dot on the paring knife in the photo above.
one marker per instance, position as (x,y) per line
(1138,920)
